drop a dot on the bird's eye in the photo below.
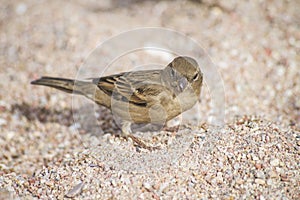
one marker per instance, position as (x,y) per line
(195,77)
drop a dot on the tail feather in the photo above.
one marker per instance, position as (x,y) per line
(85,88)
(66,85)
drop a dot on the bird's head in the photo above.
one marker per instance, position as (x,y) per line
(181,73)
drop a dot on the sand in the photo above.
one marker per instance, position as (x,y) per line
(54,145)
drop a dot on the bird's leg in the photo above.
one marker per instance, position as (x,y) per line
(127,133)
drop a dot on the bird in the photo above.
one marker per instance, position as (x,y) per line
(139,97)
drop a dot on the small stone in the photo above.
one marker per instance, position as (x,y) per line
(279,170)
(2,121)
(273,174)
(260,174)
(216,11)
(236,166)
(258,165)
(147,185)
(163,187)
(262,197)
(219,178)
(275,162)
(284,177)
(255,158)
(75,190)
(270,182)
(21,9)
(260,181)
(239,181)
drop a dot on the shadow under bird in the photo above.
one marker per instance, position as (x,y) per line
(146,96)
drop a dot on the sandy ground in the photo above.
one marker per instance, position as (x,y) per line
(255,155)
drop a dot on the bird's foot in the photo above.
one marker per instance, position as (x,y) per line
(140,143)
(126,130)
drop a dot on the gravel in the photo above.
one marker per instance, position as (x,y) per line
(45,154)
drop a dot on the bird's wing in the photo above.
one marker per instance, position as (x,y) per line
(140,87)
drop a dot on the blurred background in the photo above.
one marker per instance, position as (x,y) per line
(254,44)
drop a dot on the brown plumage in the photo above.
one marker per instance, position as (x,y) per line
(149,96)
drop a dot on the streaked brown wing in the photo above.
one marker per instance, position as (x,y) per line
(107,83)
(148,93)
(137,87)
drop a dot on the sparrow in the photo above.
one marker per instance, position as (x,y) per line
(146,96)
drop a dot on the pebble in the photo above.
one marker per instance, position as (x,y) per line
(21,9)
(219,177)
(147,185)
(260,174)
(239,181)
(255,158)
(275,162)
(273,174)
(236,166)
(163,187)
(258,165)
(75,190)
(260,181)
(254,164)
